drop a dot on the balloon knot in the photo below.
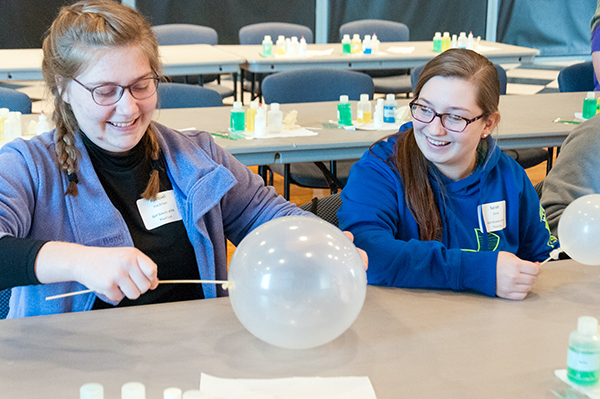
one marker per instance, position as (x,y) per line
(227,285)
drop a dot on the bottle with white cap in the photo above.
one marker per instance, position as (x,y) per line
(260,122)
(344,111)
(42,125)
(346,44)
(462,40)
(3,116)
(12,126)
(303,47)
(237,117)
(295,44)
(92,390)
(390,106)
(378,115)
(366,44)
(133,390)
(275,119)
(280,45)
(172,393)
(470,41)
(267,46)
(374,44)
(583,360)
(363,109)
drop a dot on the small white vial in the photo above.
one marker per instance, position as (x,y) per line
(133,390)
(91,391)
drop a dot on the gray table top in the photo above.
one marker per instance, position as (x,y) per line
(410,343)
(527,122)
(26,64)
(385,59)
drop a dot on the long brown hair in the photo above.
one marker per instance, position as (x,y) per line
(79,35)
(412,164)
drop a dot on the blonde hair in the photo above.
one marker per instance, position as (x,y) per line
(79,35)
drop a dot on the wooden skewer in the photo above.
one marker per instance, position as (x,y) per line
(226,285)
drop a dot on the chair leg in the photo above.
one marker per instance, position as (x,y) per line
(252,87)
(200,80)
(234,77)
(241,86)
(286,181)
(549,161)
(263,172)
(333,168)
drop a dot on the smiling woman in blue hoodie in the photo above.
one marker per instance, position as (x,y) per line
(438,205)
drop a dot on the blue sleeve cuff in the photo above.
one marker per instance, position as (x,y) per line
(478,271)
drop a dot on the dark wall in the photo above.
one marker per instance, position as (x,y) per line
(423,17)
(556,27)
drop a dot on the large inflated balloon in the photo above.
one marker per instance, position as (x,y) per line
(579,230)
(298,282)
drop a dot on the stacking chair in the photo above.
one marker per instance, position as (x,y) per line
(312,85)
(385,81)
(4,303)
(15,100)
(181,95)
(526,157)
(174,34)
(577,77)
(255,33)
(326,208)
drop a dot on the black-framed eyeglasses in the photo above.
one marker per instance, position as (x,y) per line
(109,94)
(452,122)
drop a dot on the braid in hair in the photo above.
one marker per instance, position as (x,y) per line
(152,153)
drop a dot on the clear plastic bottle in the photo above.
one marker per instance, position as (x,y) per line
(237,117)
(364,109)
(280,46)
(446,42)
(374,44)
(3,116)
(260,122)
(583,360)
(344,109)
(251,116)
(172,393)
(470,41)
(462,40)
(454,42)
(346,45)
(91,391)
(275,119)
(355,44)
(389,108)
(378,114)
(267,46)
(12,126)
(437,42)
(303,47)
(366,44)
(295,47)
(589,105)
(42,125)
(133,390)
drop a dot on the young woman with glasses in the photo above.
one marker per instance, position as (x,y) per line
(109,200)
(438,205)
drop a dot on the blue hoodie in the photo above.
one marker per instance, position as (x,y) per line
(374,209)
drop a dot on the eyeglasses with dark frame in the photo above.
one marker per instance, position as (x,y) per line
(454,123)
(110,93)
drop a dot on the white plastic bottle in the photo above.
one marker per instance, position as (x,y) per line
(454,42)
(260,122)
(470,41)
(378,115)
(133,390)
(172,393)
(267,46)
(303,47)
(367,44)
(280,45)
(355,44)
(346,45)
(583,360)
(42,125)
(295,46)
(364,109)
(3,117)
(437,42)
(91,391)
(389,108)
(288,46)
(462,40)
(12,126)
(275,119)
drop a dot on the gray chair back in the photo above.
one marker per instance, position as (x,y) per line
(15,100)
(179,95)
(577,77)
(255,33)
(387,31)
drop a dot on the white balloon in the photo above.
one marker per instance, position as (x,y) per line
(579,229)
(298,282)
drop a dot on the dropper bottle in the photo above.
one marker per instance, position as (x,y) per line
(583,360)
(364,109)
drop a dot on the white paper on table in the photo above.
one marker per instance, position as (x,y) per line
(287,388)
(485,49)
(285,133)
(400,50)
(316,53)
(591,391)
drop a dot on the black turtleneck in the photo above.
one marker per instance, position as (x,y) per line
(124,177)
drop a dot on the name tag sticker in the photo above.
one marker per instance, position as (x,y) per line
(160,211)
(494,215)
